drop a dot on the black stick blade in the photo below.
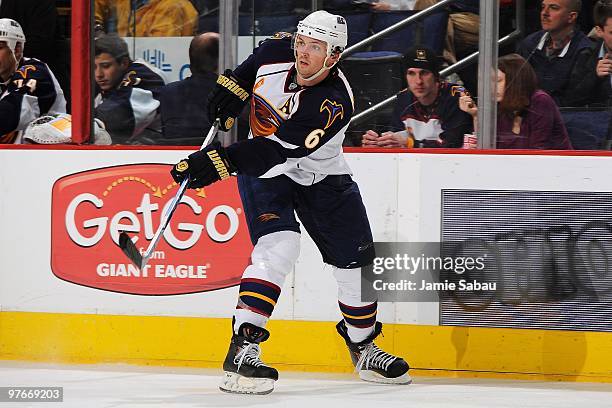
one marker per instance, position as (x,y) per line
(129,249)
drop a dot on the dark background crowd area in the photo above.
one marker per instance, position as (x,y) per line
(47,28)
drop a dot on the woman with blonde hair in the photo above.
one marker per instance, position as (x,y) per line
(527,117)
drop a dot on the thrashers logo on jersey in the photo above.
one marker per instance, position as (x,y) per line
(268,217)
(334,110)
(130,79)
(264,118)
(23,71)
(457,90)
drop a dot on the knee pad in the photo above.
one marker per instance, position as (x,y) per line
(274,256)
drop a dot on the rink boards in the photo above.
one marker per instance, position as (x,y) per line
(65,297)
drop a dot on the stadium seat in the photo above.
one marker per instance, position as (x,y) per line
(260,25)
(245,24)
(434,31)
(208,22)
(374,76)
(358,24)
(268,25)
(588,129)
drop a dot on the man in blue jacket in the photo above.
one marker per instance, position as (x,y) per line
(182,107)
(559,52)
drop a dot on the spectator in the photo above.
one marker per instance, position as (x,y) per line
(461,35)
(464,25)
(387,5)
(346,5)
(427,114)
(125,102)
(28,88)
(146,18)
(38,19)
(597,84)
(374,5)
(559,52)
(183,103)
(528,117)
(269,7)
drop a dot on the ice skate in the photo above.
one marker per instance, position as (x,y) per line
(245,373)
(372,363)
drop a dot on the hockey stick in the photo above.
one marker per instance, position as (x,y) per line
(125,242)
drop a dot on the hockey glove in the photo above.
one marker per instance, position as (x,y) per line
(227,99)
(204,167)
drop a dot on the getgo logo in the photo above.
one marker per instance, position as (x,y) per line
(205,247)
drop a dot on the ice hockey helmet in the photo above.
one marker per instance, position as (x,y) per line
(12,33)
(327,27)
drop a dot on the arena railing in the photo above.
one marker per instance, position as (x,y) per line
(517,33)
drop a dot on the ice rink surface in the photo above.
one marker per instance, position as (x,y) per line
(95,386)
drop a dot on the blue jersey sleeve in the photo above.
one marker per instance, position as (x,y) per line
(272,50)
(30,93)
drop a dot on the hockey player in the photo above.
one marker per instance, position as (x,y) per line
(126,103)
(28,88)
(301,105)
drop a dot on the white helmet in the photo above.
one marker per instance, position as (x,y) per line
(11,32)
(57,129)
(327,27)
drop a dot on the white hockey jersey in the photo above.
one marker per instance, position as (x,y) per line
(32,91)
(294,130)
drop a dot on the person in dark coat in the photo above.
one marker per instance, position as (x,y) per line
(560,52)
(183,104)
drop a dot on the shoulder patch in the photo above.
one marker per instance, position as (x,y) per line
(23,71)
(333,109)
(130,79)
(457,90)
(280,35)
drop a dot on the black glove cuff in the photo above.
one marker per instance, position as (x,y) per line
(234,85)
(217,154)
(227,99)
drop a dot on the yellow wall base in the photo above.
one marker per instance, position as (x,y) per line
(306,346)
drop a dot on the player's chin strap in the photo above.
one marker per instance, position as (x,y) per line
(14,52)
(315,75)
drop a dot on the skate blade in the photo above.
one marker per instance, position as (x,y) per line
(373,376)
(237,384)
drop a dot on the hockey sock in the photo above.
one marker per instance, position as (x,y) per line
(256,302)
(359,320)
(272,259)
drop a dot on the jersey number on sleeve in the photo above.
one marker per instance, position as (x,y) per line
(313,138)
(30,84)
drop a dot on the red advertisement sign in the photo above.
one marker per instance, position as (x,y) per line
(205,247)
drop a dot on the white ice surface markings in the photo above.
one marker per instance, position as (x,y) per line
(132,386)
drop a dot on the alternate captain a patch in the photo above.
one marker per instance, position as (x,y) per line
(334,111)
